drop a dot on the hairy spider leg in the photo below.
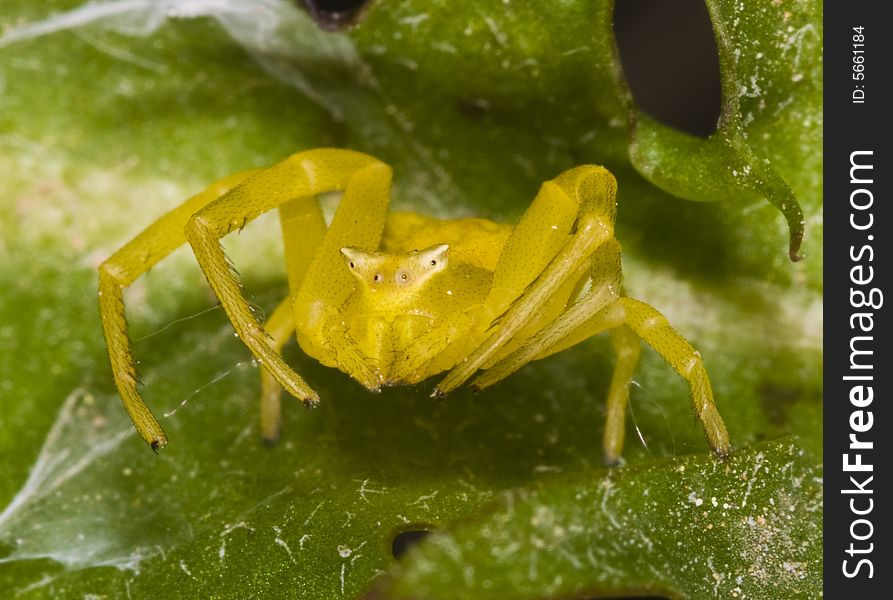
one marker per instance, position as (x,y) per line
(587,318)
(571,217)
(202,220)
(654,329)
(317,277)
(297,179)
(604,288)
(601,309)
(303,228)
(123,268)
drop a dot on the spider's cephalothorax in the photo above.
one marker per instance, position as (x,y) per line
(409,312)
(395,298)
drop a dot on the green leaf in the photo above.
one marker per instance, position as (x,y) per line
(727,530)
(112,114)
(771,72)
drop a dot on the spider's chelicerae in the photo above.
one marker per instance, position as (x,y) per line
(395,298)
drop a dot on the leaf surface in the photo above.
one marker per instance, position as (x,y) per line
(112,114)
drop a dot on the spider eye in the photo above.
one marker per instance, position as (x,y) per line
(352,265)
(434,259)
(404,276)
(377,277)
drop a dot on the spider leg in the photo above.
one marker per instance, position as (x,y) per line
(123,268)
(588,317)
(302,175)
(578,210)
(281,326)
(627,348)
(358,223)
(581,320)
(303,228)
(654,329)
(312,258)
(627,318)
(228,204)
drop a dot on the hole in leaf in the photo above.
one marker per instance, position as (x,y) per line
(334,15)
(670,61)
(407,539)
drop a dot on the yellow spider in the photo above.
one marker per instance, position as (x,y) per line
(393,299)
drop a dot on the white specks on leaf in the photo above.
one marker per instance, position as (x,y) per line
(498,34)
(559,529)
(221,552)
(575,562)
(532,574)
(422,501)
(185,569)
(285,547)
(345,551)
(444,47)
(546,468)
(414,21)
(758,462)
(313,513)
(606,487)
(364,490)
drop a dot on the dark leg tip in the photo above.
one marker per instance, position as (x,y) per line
(613,461)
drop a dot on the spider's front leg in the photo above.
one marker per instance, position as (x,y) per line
(202,221)
(295,181)
(123,268)
(571,217)
(595,313)
(588,316)
(628,319)
(602,308)
(318,279)
(656,331)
